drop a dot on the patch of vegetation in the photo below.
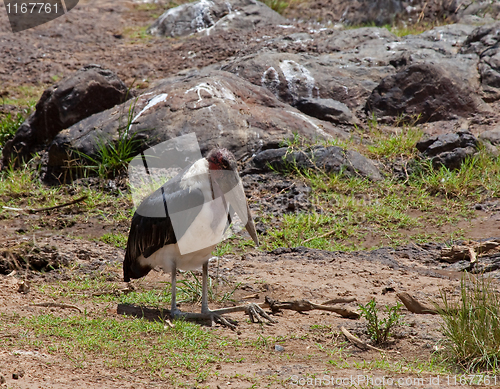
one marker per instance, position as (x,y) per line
(380,329)
(277,5)
(115,239)
(477,177)
(401,29)
(113,155)
(345,211)
(137,34)
(190,290)
(131,344)
(9,125)
(24,96)
(22,188)
(471,324)
(392,145)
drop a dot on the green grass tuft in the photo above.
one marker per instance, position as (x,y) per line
(9,125)
(277,5)
(115,239)
(472,324)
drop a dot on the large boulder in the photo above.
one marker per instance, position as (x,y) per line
(209,15)
(332,159)
(425,91)
(90,90)
(219,107)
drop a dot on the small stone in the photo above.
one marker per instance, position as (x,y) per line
(2,380)
(279,348)
(18,374)
(24,287)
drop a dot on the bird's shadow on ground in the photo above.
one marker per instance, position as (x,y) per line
(152,314)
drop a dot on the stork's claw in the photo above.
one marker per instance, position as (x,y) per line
(255,312)
(226,322)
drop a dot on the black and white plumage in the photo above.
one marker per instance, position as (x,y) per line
(193,210)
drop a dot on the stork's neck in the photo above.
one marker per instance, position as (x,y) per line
(197,176)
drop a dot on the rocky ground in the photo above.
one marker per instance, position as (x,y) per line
(350,70)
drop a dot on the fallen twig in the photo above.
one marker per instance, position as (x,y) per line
(169,323)
(421,16)
(114,292)
(358,342)
(56,305)
(414,306)
(250,297)
(304,305)
(321,236)
(35,210)
(340,300)
(8,336)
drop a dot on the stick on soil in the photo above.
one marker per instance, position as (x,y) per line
(35,210)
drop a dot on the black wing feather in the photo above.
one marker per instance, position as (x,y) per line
(149,234)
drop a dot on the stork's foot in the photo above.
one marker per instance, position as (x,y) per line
(224,321)
(256,313)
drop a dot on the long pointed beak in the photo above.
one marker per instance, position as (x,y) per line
(250,226)
(236,198)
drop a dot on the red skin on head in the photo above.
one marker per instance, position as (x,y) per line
(221,159)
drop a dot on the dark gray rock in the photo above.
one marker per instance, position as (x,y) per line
(487,264)
(492,136)
(449,150)
(90,90)
(219,107)
(426,91)
(379,12)
(463,265)
(211,15)
(332,159)
(327,109)
(478,12)
(485,42)
(453,159)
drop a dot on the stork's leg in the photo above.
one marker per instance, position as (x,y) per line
(216,316)
(204,289)
(174,311)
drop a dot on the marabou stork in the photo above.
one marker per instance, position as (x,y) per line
(186,218)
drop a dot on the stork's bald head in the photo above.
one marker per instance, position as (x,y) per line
(221,159)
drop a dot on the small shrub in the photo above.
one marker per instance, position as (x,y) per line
(380,329)
(472,324)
